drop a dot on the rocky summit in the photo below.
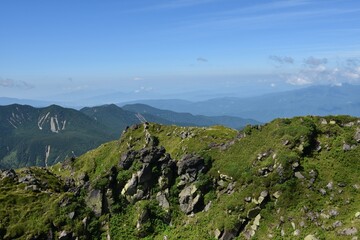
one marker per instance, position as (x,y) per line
(289,179)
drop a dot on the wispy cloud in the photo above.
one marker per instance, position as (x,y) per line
(201,59)
(10,83)
(281,60)
(313,62)
(322,71)
(265,15)
(138,78)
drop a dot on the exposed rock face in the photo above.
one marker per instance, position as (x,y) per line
(163,202)
(155,164)
(130,186)
(189,199)
(352,231)
(357,135)
(10,174)
(233,233)
(191,164)
(127,159)
(94,201)
(310,237)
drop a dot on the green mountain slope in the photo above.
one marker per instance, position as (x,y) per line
(43,136)
(289,179)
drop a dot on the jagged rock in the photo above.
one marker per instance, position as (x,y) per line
(225,177)
(357,215)
(145,174)
(189,200)
(232,233)
(34,188)
(357,135)
(94,201)
(151,155)
(71,215)
(163,182)
(322,191)
(346,147)
(207,206)
(296,233)
(352,231)
(302,224)
(257,220)
(230,188)
(64,235)
(222,184)
(333,213)
(252,213)
(265,171)
(337,224)
(277,194)
(83,178)
(130,186)
(127,159)
(217,233)
(138,195)
(330,185)
(295,165)
(142,218)
(342,184)
(310,237)
(85,222)
(28,179)
(298,175)
(260,156)
(10,174)
(163,202)
(263,198)
(248,199)
(190,163)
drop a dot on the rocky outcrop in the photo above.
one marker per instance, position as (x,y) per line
(190,199)
(95,201)
(9,174)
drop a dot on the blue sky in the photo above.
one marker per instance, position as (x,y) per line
(161,48)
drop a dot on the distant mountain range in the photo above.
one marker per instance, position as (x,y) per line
(44,136)
(314,100)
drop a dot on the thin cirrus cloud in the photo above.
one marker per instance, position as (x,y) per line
(281,60)
(175,4)
(10,83)
(267,15)
(138,78)
(201,59)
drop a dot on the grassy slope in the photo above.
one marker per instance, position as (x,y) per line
(239,160)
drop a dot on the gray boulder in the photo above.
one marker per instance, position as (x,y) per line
(189,199)
(163,202)
(127,159)
(130,186)
(10,174)
(190,163)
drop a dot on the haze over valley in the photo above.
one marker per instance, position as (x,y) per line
(180,119)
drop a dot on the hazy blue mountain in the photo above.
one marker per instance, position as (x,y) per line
(187,119)
(314,100)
